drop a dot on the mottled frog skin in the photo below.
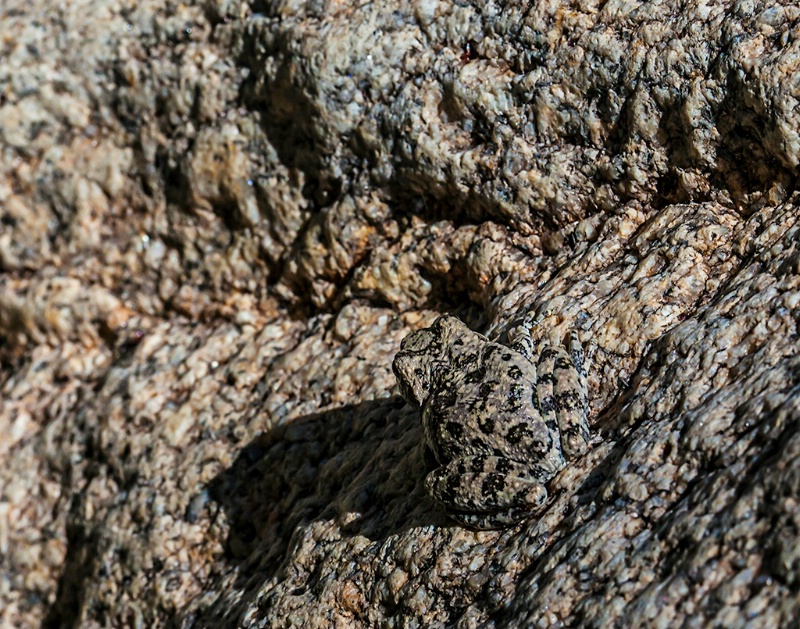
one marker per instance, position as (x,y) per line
(499,421)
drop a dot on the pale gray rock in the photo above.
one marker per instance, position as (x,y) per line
(219,219)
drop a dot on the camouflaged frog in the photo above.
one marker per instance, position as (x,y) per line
(499,421)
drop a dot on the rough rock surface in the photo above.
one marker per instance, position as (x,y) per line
(218,219)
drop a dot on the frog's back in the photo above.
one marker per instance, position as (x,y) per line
(488,406)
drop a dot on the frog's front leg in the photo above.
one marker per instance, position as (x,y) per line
(485,492)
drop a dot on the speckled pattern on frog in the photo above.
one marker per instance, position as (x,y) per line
(499,421)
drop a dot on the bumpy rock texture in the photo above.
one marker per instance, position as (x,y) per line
(218,219)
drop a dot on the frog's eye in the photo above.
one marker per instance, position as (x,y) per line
(418,341)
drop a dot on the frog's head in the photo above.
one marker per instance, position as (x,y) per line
(423,354)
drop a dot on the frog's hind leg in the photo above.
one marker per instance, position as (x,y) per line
(563,394)
(520,339)
(484,491)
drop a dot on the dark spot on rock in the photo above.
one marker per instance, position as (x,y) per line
(514,372)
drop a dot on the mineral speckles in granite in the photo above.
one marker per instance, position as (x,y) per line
(500,421)
(410,159)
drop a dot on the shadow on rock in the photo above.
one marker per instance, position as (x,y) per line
(358,463)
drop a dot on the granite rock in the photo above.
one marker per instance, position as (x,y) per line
(218,219)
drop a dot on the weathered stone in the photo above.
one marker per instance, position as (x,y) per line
(218,220)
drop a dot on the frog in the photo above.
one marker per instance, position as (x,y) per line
(499,420)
